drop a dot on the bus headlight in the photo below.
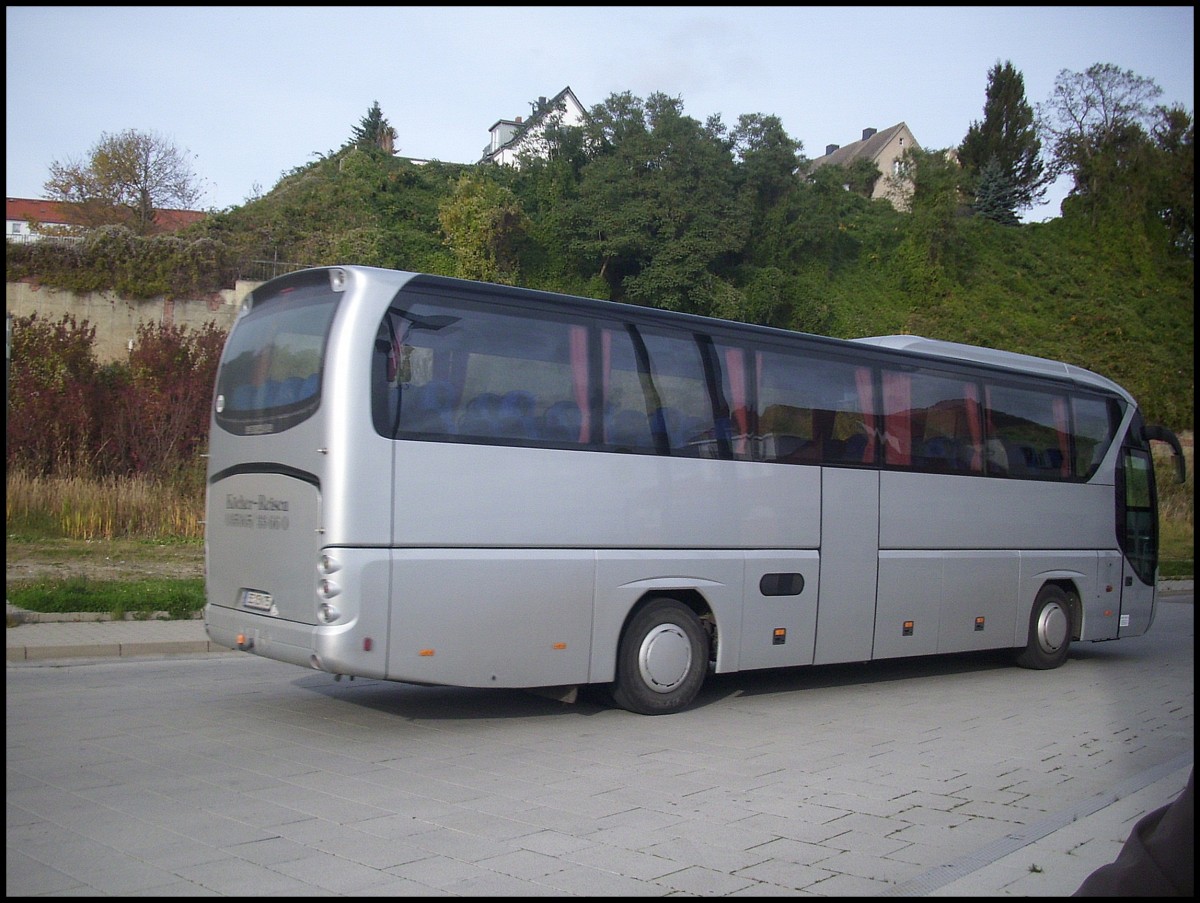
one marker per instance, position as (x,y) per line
(328,612)
(328,564)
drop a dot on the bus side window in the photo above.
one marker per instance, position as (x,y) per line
(656,398)
(1034,428)
(1094,424)
(937,418)
(814,410)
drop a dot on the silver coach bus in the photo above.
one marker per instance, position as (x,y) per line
(443,482)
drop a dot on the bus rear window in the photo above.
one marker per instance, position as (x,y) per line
(270,374)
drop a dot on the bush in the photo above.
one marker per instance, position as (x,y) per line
(69,416)
(113,258)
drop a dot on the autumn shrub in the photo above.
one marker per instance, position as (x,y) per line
(52,397)
(68,416)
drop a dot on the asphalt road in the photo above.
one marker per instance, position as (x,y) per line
(226,774)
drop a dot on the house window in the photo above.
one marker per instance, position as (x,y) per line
(16,228)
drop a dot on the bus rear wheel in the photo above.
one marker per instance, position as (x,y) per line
(662,659)
(1049,631)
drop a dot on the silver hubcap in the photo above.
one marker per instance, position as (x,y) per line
(1052,628)
(665,658)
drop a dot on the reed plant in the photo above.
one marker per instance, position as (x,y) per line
(104,508)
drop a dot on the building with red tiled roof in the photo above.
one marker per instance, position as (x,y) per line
(28,218)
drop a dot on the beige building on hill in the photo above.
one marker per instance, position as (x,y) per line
(884,149)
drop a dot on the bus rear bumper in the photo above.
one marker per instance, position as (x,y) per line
(333,649)
(284,641)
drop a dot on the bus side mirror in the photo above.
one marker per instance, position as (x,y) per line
(1162,434)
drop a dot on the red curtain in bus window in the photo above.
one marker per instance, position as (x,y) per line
(974,425)
(1063,425)
(866,404)
(897,418)
(735,366)
(579,380)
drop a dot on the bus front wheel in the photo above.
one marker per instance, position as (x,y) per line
(662,659)
(1049,631)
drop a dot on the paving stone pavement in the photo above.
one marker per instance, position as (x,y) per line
(610,815)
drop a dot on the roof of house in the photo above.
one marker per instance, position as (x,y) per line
(58,213)
(868,148)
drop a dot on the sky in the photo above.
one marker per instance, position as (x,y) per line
(251,93)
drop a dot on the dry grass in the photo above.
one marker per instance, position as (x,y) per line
(94,509)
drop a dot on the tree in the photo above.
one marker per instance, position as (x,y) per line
(126,180)
(768,158)
(934,208)
(658,213)
(1092,114)
(51,423)
(373,131)
(1175,138)
(549,138)
(995,194)
(1008,136)
(484,227)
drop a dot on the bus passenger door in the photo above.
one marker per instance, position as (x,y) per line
(849,565)
(1137,530)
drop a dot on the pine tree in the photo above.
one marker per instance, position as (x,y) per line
(1007,135)
(374,131)
(995,195)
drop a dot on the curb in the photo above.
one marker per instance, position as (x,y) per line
(110,650)
(14,616)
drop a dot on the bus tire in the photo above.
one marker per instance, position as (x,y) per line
(1049,630)
(662,659)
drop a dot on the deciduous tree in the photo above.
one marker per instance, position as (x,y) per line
(126,180)
(484,225)
(1175,137)
(658,211)
(1092,115)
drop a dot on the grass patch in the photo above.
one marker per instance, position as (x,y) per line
(179,599)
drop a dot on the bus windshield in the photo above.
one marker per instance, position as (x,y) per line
(270,373)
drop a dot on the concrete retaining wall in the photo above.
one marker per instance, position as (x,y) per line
(116,319)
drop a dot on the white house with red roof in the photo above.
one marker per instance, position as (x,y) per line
(28,219)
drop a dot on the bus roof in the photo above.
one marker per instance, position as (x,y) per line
(1009,360)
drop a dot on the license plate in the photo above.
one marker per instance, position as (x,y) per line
(252,598)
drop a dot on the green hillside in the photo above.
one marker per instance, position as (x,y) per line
(686,224)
